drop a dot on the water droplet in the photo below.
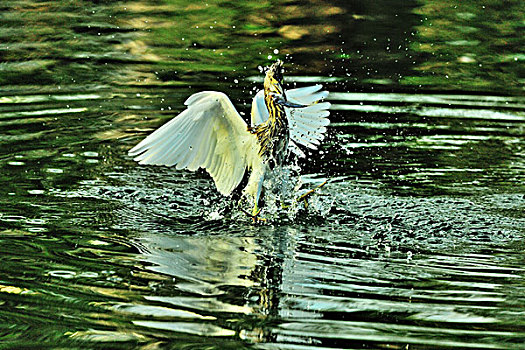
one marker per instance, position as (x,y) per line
(276,51)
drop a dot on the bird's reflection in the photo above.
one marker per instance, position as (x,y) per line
(224,276)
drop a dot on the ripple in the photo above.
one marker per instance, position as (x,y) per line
(35,221)
(397,334)
(90,154)
(434,99)
(55,170)
(158,311)
(36,192)
(37,229)
(206,305)
(207,330)
(415,241)
(62,274)
(13,218)
(99,336)
(59,111)
(486,114)
(26,99)
(452,317)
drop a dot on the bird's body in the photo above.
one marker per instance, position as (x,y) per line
(273,135)
(211,134)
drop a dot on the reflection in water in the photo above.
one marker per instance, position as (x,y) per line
(419,244)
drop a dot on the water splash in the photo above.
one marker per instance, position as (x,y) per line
(288,195)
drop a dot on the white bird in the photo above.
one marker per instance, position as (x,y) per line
(210,134)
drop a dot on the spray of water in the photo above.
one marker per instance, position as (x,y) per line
(288,194)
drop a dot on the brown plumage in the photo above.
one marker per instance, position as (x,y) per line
(273,135)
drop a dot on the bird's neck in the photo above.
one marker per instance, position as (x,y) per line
(273,134)
(277,115)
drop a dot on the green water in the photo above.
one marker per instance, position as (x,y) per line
(417,241)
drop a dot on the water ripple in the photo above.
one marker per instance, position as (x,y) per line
(416,241)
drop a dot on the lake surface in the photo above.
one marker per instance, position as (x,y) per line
(416,242)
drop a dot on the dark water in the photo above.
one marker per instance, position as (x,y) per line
(415,243)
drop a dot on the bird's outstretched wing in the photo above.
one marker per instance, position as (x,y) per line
(307,124)
(259,110)
(209,134)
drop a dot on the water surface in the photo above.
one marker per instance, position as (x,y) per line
(416,241)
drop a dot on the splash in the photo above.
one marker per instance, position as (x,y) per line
(288,195)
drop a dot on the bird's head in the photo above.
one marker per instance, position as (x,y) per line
(273,81)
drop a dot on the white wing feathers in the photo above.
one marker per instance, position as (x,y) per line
(306,95)
(209,134)
(259,111)
(308,124)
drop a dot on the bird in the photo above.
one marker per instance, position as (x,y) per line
(212,135)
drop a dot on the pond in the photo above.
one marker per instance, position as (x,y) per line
(416,241)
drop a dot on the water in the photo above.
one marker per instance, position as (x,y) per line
(418,240)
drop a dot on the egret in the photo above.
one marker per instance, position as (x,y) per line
(210,134)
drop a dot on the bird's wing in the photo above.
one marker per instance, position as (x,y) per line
(259,110)
(306,95)
(209,134)
(307,124)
